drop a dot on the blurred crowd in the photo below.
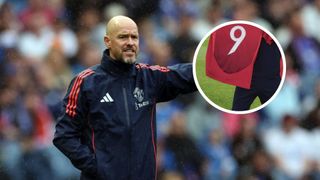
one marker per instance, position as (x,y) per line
(44,43)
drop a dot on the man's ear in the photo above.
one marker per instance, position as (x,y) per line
(107,42)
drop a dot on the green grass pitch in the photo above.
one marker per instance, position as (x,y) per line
(219,93)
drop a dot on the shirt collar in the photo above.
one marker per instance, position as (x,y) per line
(117,67)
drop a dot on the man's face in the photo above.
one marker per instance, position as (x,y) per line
(123,42)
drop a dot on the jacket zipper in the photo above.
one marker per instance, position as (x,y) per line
(126,105)
(124,91)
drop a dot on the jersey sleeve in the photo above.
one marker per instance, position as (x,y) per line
(178,79)
(70,125)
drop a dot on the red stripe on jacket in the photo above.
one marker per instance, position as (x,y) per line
(73,96)
(154,67)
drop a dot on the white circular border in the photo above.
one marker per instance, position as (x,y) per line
(196,79)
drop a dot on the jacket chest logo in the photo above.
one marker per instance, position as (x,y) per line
(106,98)
(139,95)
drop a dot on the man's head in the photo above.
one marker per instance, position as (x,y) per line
(122,39)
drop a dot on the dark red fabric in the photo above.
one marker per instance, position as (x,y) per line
(281,67)
(234,68)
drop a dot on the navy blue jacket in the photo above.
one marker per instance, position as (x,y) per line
(108,127)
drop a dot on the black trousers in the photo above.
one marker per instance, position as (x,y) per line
(260,87)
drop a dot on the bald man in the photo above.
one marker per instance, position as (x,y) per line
(122,39)
(107,125)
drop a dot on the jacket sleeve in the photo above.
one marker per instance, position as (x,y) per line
(70,129)
(177,80)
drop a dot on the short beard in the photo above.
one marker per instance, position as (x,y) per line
(129,60)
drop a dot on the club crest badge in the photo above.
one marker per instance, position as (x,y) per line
(139,95)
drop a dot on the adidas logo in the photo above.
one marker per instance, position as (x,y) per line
(106,98)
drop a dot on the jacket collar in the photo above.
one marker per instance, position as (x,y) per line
(116,67)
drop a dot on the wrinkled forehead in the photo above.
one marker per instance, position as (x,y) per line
(122,26)
(128,30)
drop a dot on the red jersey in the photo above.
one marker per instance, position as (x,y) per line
(232,52)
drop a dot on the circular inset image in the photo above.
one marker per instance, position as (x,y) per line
(239,67)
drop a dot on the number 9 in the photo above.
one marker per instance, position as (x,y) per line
(237,40)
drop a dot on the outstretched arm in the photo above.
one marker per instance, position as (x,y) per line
(177,80)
